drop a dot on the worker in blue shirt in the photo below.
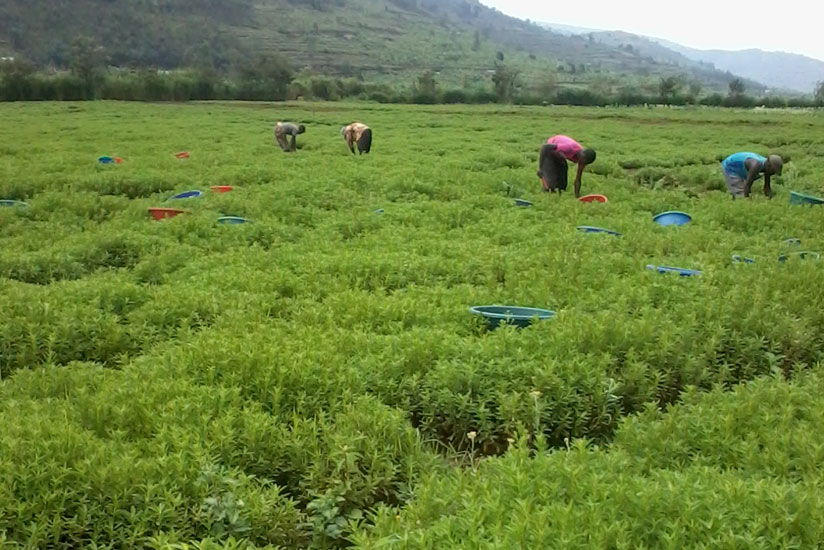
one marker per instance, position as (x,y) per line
(742,169)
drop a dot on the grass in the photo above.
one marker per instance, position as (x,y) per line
(312,378)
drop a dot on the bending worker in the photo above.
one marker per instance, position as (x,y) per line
(742,169)
(283,129)
(552,167)
(357,133)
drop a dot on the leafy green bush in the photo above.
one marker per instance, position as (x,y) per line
(172,458)
(711,472)
(455,96)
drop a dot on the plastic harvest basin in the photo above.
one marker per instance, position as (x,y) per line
(672,218)
(801,198)
(669,269)
(163,213)
(591,229)
(593,198)
(519,316)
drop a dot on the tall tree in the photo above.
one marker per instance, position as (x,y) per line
(737,87)
(427,83)
(670,86)
(505,80)
(87,58)
(695,89)
(272,73)
(88,62)
(819,92)
(547,85)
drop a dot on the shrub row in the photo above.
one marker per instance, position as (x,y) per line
(150,85)
(732,470)
(125,459)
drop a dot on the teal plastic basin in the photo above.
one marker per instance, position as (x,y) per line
(231,220)
(591,229)
(10,202)
(801,198)
(513,315)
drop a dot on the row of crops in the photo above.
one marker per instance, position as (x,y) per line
(314,378)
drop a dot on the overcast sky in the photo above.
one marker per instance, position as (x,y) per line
(788,25)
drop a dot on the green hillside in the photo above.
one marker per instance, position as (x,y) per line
(380,40)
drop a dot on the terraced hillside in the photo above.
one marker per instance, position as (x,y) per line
(375,39)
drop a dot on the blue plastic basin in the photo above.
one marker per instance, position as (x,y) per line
(519,316)
(105,159)
(669,269)
(188,195)
(231,219)
(9,202)
(801,198)
(379,211)
(672,218)
(590,229)
(522,202)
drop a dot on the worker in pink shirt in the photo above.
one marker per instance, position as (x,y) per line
(552,163)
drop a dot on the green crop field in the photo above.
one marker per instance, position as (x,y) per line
(314,378)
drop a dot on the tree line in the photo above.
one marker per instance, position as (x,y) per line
(272,78)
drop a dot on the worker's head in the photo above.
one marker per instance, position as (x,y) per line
(774,165)
(301,128)
(586,156)
(343,131)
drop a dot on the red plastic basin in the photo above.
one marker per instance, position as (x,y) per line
(162,213)
(222,188)
(593,198)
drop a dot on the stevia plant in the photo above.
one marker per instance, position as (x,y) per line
(295,381)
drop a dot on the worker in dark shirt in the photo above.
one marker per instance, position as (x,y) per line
(283,129)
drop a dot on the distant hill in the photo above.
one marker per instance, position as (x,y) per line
(652,49)
(461,40)
(774,70)
(778,70)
